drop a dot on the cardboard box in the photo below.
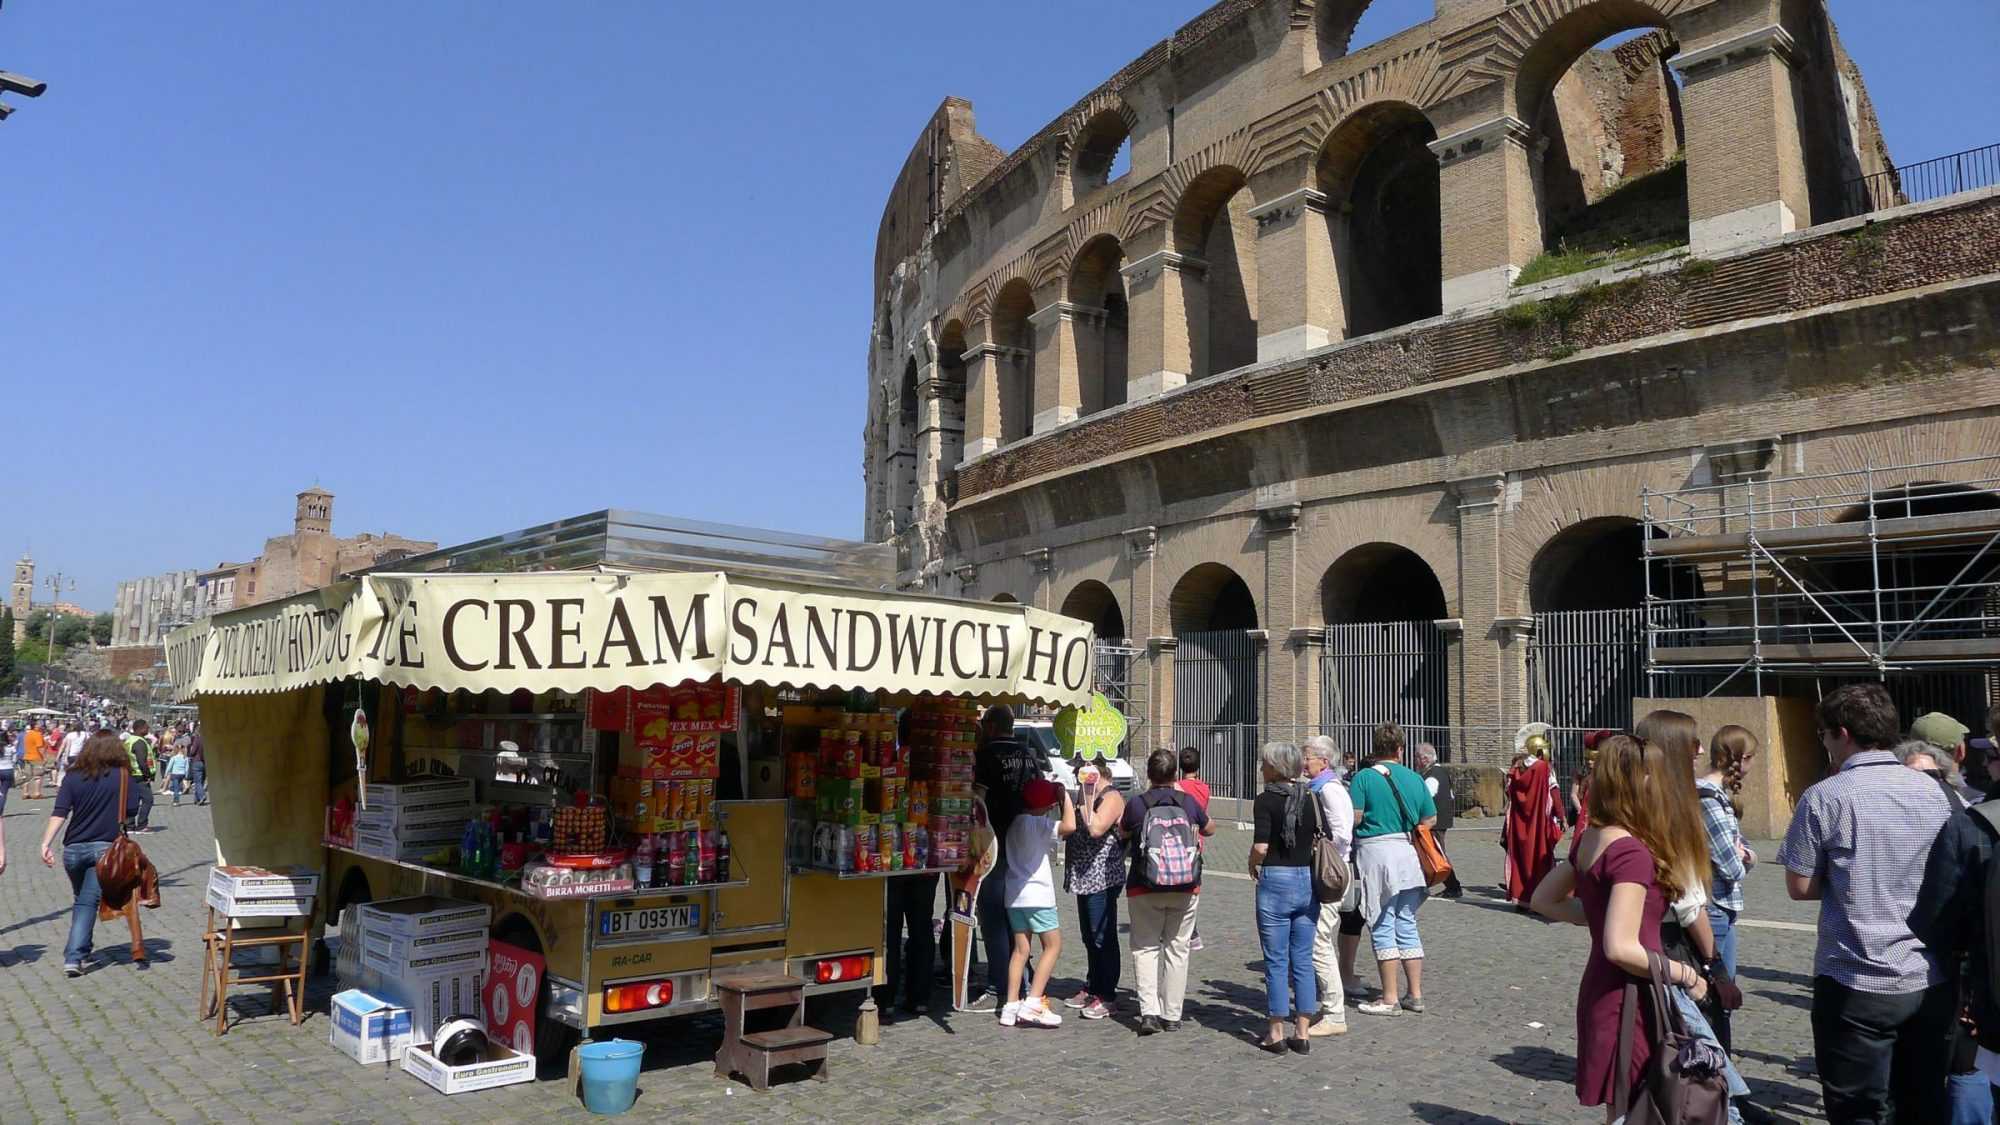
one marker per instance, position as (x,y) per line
(368,1029)
(501,1066)
(394,952)
(432,1001)
(260,882)
(431,814)
(374,954)
(258,907)
(424,915)
(431,792)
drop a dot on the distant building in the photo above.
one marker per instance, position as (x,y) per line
(215,589)
(311,557)
(149,608)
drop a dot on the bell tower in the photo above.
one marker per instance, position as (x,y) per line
(22,596)
(314,515)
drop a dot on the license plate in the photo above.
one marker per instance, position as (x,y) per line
(683,918)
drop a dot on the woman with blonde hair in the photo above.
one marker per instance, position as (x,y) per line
(1729,858)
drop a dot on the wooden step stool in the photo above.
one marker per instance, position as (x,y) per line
(220,941)
(753,1054)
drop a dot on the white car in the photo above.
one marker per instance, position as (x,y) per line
(1041,735)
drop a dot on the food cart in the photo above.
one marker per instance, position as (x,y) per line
(721,745)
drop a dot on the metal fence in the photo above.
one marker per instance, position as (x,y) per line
(1930,179)
(1386,672)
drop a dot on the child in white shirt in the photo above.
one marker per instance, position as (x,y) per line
(1031,898)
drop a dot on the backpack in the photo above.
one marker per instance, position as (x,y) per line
(1988,813)
(1169,856)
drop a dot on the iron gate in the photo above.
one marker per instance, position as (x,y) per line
(1216,706)
(1119,673)
(1584,669)
(1386,672)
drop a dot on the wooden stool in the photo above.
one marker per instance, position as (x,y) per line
(753,1054)
(220,944)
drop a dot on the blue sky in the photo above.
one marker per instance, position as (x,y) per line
(476,265)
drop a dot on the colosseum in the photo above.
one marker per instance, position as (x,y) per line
(1464,378)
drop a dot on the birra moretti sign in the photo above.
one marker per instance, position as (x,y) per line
(569,632)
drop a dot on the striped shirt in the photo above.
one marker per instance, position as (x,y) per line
(1866,832)
(1724,835)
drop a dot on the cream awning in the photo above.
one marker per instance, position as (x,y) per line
(571,631)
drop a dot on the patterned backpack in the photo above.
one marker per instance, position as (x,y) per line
(1169,857)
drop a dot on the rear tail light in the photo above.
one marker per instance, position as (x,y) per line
(639,997)
(835,970)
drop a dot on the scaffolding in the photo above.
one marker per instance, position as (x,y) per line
(1869,573)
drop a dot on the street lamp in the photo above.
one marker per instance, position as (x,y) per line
(56,583)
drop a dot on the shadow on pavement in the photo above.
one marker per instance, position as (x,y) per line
(1446,1115)
(1789,999)
(1538,1063)
(1776,976)
(26,954)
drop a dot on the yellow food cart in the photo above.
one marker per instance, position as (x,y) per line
(532,682)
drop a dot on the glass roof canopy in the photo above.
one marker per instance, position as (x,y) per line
(616,540)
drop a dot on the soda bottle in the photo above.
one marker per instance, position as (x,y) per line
(642,862)
(722,856)
(676,859)
(691,866)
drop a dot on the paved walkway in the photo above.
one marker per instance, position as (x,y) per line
(122,1044)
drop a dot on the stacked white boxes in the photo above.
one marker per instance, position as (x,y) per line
(413,820)
(425,954)
(260,892)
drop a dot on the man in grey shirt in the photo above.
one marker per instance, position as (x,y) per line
(1882,1007)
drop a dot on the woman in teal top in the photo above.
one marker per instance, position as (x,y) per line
(1390,800)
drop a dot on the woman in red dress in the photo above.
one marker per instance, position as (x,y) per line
(1624,869)
(1534,816)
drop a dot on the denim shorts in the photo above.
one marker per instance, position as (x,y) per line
(1032,919)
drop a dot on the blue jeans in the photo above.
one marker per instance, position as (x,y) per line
(80,863)
(1394,931)
(1971,1099)
(1722,920)
(6,783)
(1287,916)
(199,772)
(1097,917)
(1697,1026)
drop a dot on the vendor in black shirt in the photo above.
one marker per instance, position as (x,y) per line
(88,816)
(1287,912)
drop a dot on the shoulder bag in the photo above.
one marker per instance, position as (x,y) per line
(119,867)
(1430,853)
(1683,1083)
(1329,867)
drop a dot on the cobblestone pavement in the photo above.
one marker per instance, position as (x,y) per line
(122,1044)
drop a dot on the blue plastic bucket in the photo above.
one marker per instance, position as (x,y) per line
(610,1074)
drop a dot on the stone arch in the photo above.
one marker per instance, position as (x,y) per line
(1210,597)
(1381,582)
(1015,337)
(1004,598)
(1093,601)
(1101,321)
(1600,564)
(1605,130)
(1213,226)
(1092,148)
(1381,181)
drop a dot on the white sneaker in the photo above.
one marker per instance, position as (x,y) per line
(1010,1014)
(1037,1014)
(1378,1008)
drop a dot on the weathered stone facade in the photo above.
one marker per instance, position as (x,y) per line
(311,557)
(149,608)
(1305,405)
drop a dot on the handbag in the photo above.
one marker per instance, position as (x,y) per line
(1430,853)
(1680,1086)
(1329,868)
(118,868)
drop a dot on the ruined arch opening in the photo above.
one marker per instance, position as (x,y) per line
(1100,323)
(1381,582)
(1341,27)
(1094,602)
(1214,229)
(1606,141)
(951,398)
(1100,153)
(903,451)
(1005,599)
(1381,182)
(1014,336)
(1216,669)
(1946,583)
